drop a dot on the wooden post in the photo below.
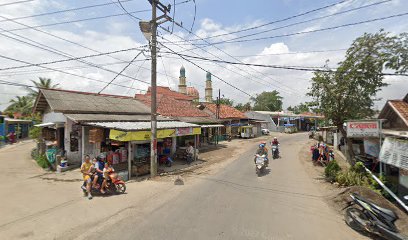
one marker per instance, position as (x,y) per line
(130,155)
(82,143)
(195,147)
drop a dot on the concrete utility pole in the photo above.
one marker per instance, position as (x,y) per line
(153,142)
(149,30)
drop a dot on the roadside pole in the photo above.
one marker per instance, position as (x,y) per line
(153,142)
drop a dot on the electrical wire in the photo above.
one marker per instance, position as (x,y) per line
(66,10)
(308,69)
(276,21)
(61,53)
(293,53)
(12,3)
(311,20)
(72,59)
(67,73)
(164,68)
(311,31)
(117,75)
(195,15)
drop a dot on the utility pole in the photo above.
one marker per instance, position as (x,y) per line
(153,142)
(149,29)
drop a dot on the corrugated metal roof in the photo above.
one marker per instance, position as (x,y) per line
(81,102)
(197,119)
(111,118)
(12,120)
(138,126)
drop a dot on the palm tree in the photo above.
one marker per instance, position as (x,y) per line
(21,104)
(42,83)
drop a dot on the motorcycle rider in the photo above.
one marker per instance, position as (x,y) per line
(276,143)
(262,151)
(99,166)
(85,170)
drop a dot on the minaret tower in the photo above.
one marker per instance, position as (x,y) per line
(182,87)
(208,88)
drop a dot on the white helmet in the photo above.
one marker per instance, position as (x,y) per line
(275,138)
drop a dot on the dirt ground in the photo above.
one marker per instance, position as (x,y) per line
(338,197)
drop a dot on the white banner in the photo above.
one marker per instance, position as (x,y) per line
(395,152)
(362,129)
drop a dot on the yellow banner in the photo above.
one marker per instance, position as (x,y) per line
(145,135)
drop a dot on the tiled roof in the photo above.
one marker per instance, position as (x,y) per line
(168,92)
(401,107)
(171,107)
(226,112)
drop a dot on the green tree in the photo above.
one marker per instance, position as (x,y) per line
(226,101)
(45,83)
(302,107)
(244,107)
(350,91)
(268,101)
(21,104)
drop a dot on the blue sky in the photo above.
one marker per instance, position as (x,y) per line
(212,18)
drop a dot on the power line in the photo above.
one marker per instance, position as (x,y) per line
(311,20)
(61,53)
(312,31)
(276,21)
(117,75)
(264,75)
(66,10)
(293,53)
(229,84)
(308,69)
(12,3)
(73,59)
(68,73)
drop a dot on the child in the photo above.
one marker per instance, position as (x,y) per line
(106,171)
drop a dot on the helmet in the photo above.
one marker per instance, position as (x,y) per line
(275,138)
(261,145)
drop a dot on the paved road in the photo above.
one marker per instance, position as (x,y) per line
(236,204)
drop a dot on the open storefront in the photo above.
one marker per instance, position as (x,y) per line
(129,142)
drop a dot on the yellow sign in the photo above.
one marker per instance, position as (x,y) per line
(145,135)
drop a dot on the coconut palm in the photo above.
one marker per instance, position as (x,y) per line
(41,83)
(20,104)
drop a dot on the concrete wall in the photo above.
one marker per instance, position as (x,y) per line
(73,157)
(53,117)
(90,149)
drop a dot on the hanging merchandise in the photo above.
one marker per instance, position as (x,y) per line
(96,135)
(123,154)
(115,158)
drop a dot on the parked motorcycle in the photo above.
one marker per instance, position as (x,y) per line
(311,134)
(260,164)
(114,185)
(372,218)
(275,151)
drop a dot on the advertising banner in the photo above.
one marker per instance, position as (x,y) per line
(363,129)
(145,135)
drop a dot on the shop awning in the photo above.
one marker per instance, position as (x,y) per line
(112,117)
(49,124)
(140,131)
(140,126)
(212,126)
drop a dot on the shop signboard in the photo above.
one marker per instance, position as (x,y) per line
(145,135)
(363,129)
(394,152)
(184,131)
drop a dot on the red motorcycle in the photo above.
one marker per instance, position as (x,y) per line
(114,185)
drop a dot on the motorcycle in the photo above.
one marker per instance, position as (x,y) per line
(311,135)
(260,164)
(372,218)
(275,151)
(114,185)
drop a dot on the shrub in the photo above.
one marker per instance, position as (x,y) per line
(42,161)
(355,176)
(331,170)
(35,133)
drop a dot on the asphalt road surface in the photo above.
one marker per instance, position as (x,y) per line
(237,204)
